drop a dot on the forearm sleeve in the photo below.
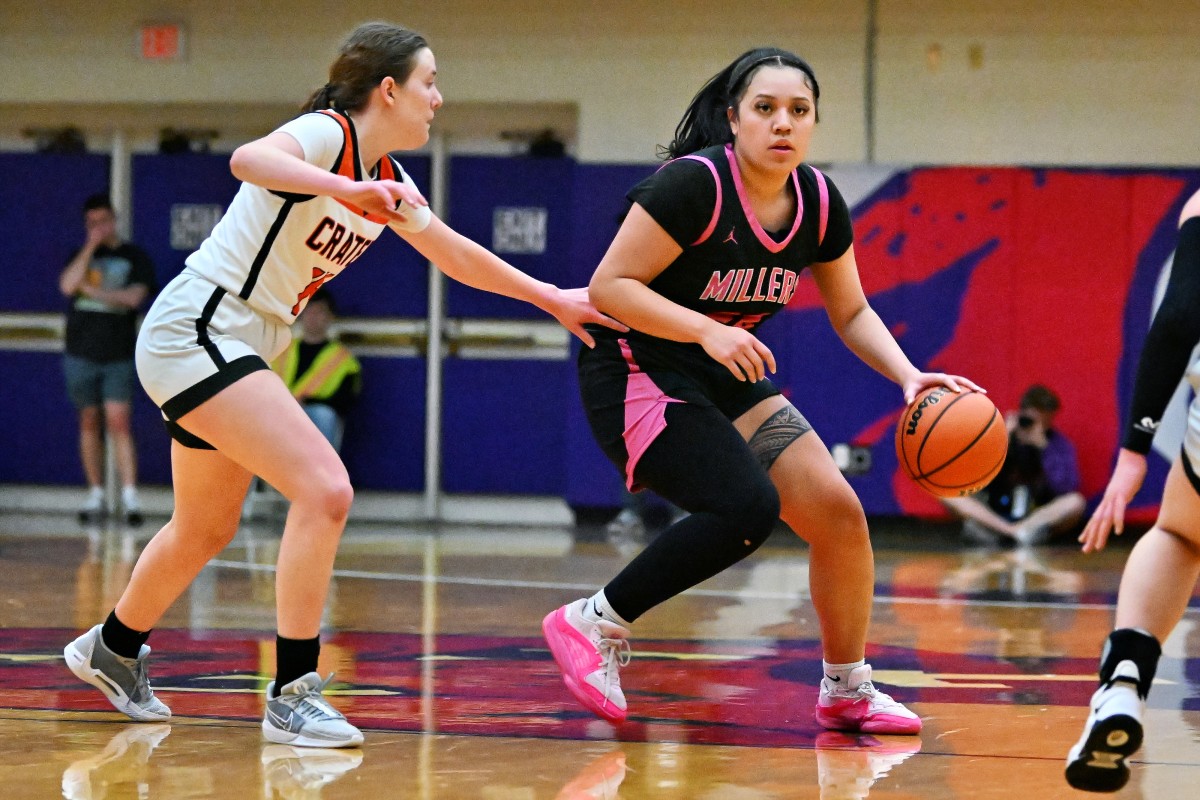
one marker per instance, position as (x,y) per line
(1169,344)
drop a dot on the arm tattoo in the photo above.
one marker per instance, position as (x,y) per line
(772,437)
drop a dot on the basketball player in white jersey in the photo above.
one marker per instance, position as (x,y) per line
(1163,567)
(315,193)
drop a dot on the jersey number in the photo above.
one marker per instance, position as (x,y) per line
(736,320)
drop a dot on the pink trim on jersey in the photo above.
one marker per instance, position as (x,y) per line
(762,235)
(645,413)
(712,223)
(823,188)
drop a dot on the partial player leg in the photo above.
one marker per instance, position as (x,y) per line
(700,463)
(1161,573)
(113,657)
(1155,589)
(258,424)
(819,505)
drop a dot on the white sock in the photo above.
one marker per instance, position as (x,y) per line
(839,674)
(597,608)
(129,498)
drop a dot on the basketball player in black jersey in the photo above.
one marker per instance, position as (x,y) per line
(1163,567)
(714,244)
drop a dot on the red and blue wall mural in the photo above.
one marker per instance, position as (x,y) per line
(1010,276)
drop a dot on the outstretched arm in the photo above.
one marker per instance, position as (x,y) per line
(476,266)
(865,334)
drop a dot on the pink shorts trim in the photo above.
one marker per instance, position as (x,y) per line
(645,414)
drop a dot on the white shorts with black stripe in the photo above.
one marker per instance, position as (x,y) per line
(1191,438)
(196,340)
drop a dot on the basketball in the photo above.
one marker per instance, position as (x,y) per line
(951,443)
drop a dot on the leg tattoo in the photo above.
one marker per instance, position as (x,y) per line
(772,437)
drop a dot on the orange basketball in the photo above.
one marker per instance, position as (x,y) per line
(951,443)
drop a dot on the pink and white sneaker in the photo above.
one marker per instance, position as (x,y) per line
(859,706)
(590,655)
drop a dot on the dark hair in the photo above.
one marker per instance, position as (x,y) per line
(372,52)
(1041,398)
(706,122)
(323,295)
(95,201)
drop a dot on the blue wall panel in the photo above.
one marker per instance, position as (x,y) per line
(41,213)
(504,425)
(384,445)
(42,446)
(163,181)
(478,186)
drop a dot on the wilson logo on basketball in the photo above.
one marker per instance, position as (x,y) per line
(951,443)
(933,399)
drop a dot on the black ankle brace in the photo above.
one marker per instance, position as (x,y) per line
(1128,644)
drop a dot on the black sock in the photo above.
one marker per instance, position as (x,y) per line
(1129,644)
(294,658)
(120,638)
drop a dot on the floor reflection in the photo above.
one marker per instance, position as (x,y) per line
(301,773)
(121,769)
(434,640)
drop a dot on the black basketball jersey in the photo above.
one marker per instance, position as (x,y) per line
(731,269)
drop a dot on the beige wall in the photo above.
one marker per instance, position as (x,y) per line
(1070,82)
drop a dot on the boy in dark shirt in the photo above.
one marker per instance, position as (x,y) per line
(107,281)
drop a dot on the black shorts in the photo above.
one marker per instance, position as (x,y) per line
(627,381)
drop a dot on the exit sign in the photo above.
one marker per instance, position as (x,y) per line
(161,41)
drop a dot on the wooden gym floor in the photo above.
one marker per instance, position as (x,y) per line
(435,638)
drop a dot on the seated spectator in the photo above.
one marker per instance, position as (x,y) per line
(321,372)
(1035,497)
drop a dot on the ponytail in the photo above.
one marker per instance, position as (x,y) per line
(706,121)
(321,99)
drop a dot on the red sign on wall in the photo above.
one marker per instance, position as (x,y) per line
(161,42)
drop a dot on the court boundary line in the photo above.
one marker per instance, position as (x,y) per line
(409,577)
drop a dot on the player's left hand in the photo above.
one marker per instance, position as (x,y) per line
(1128,476)
(572,308)
(923,380)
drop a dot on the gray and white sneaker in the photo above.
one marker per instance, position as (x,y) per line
(122,680)
(301,716)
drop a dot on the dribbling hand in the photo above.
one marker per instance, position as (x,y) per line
(923,380)
(1127,478)
(740,351)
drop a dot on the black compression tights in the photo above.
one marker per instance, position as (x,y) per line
(701,464)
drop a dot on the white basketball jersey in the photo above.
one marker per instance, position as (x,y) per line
(275,249)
